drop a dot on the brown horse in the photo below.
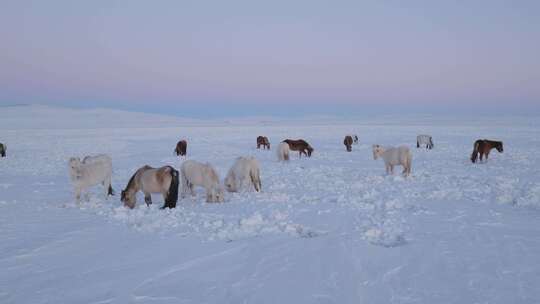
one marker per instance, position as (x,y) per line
(181,148)
(3,149)
(263,141)
(348,141)
(299,145)
(483,147)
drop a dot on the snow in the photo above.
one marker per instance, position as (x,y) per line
(333,228)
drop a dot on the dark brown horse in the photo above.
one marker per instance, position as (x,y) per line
(483,147)
(299,145)
(263,141)
(181,148)
(348,141)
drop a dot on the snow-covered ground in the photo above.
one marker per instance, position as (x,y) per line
(329,229)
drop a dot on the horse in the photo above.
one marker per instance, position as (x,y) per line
(181,148)
(299,145)
(3,150)
(283,151)
(150,180)
(91,171)
(244,168)
(483,147)
(394,156)
(348,141)
(194,173)
(263,141)
(424,140)
(355,139)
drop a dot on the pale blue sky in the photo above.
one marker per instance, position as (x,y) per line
(212,58)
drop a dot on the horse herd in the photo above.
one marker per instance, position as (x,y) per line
(94,170)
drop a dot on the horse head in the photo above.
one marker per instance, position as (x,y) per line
(377,151)
(216,194)
(128,198)
(230,183)
(499,147)
(75,167)
(309,150)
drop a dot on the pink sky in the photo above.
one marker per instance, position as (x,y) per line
(131,54)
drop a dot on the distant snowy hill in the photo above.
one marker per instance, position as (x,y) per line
(48,117)
(18,117)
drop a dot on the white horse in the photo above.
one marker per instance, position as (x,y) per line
(393,157)
(424,140)
(283,151)
(92,171)
(194,173)
(243,170)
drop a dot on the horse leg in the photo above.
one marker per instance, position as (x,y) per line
(166,204)
(255,181)
(184,187)
(148,199)
(487,154)
(78,194)
(108,187)
(192,189)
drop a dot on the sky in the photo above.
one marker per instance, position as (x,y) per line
(225,58)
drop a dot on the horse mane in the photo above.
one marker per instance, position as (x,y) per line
(132,179)
(212,172)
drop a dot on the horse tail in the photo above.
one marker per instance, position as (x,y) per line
(110,191)
(409,163)
(474,154)
(256,179)
(172,195)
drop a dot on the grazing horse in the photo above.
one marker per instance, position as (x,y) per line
(263,141)
(91,171)
(348,141)
(483,147)
(299,145)
(424,140)
(181,148)
(244,169)
(283,151)
(3,150)
(194,173)
(393,157)
(150,180)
